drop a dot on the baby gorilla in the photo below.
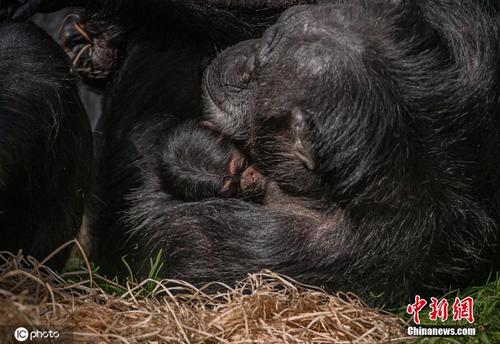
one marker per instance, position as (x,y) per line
(198,163)
(213,167)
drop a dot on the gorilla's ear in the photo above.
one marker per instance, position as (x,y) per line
(298,126)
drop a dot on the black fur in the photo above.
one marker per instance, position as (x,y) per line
(46,160)
(138,122)
(399,104)
(378,119)
(389,111)
(193,163)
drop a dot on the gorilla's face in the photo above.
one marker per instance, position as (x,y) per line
(229,90)
(271,95)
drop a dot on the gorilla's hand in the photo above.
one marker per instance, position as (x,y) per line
(23,9)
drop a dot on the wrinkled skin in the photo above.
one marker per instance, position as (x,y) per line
(340,103)
(94,45)
(197,163)
(374,124)
(144,122)
(379,121)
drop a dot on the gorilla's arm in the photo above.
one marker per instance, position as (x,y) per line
(223,240)
(401,131)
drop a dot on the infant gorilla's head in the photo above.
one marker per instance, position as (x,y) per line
(200,163)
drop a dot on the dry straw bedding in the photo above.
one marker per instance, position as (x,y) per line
(263,308)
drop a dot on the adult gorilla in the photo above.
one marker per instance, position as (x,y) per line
(391,114)
(178,38)
(379,118)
